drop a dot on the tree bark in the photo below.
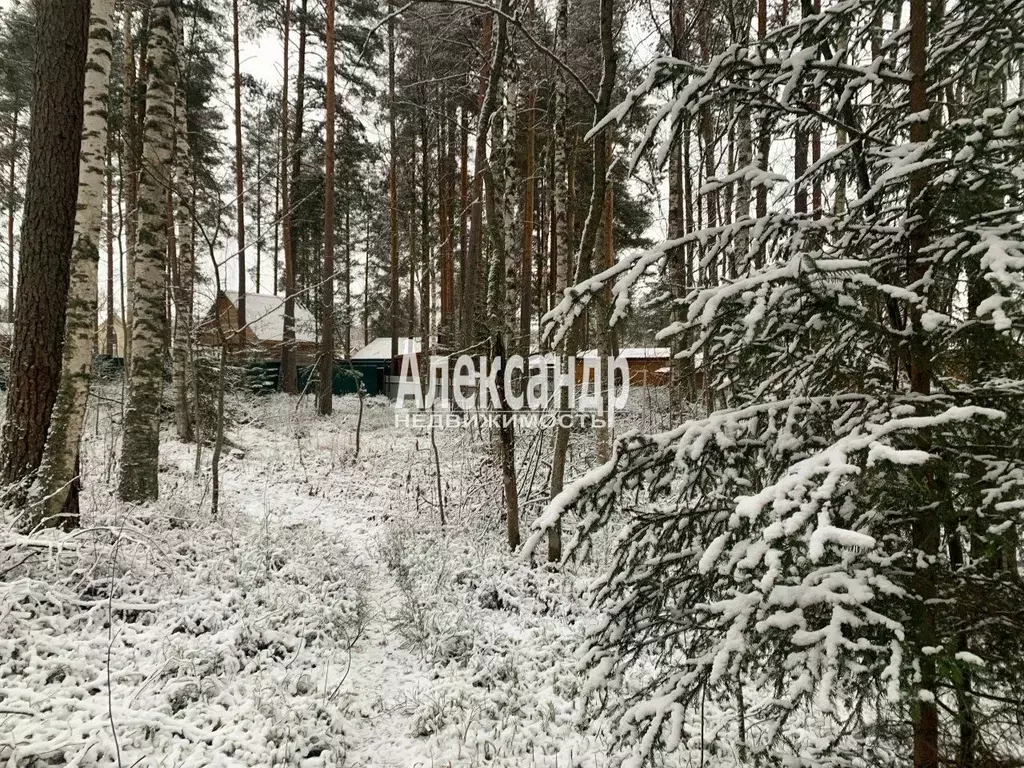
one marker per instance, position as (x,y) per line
(560,265)
(925,529)
(110,342)
(392,188)
(325,399)
(588,238)
(529,184)
(47,234)
(10,218)
(56,490)
(239,173)
(289,381)
(182,288)
(141,443)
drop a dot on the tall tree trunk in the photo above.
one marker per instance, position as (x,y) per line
(325,400)
(593,221)
(298,244)
(606,335)
(366,277)
(445,328)
(744,158)
(277,222)
(239,174)
(110,342)
(560,254)
(56,490)
(259,212)
(10,218)
(47,234)
(463,219)
(925,529)
(530,185)
(764,139)
(476,301)
(289,376)
(392,188)
(182,288)
(289,381)
(130,181)
(141,444)
(425,266)
(347,341)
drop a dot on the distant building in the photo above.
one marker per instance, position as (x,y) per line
(648,366)
(264,327)
(379,350)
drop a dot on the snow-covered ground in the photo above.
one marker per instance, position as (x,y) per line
(324,618)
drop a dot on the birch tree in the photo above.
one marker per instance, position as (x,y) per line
(141,444)
(58,467)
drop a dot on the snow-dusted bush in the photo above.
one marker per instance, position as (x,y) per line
(177,640)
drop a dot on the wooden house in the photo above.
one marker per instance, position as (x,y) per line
(264,328)
(648,366)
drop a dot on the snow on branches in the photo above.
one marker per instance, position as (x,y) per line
(839,535)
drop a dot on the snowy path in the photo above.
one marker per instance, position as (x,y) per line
(376,686)
(322,619)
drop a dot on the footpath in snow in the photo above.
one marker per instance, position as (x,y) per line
(324,618)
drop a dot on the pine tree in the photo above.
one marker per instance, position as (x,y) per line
(841,530)
(47,234)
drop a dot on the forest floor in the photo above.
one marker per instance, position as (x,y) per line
(325,617)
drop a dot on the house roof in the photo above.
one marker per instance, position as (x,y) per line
(637,353)
(264,316)
(380,348)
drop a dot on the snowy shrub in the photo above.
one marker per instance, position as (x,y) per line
(190,643)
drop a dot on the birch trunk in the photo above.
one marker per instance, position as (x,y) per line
(57,470)
(141,443)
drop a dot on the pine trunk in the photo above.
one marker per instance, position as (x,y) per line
(10,218)
(560,254)
(289,381)
(925,529)
(325,400)
(47,235)
(529,187)
(182,288)
(392,187)
(141,443)
(239,173)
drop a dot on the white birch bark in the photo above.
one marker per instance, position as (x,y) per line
(57,469)
(141,441)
